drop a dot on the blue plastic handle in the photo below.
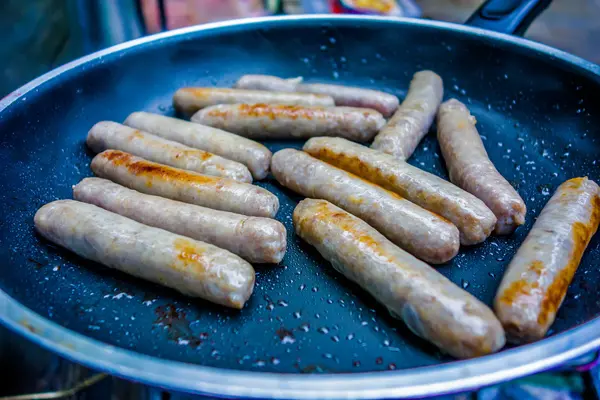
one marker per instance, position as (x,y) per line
(508,16)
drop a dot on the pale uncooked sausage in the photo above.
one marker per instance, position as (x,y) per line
(190,100)
(255,239)
(470,167)
(267,82)
(252,154)
(411,122)
(349,96)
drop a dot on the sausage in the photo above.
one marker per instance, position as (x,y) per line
(267,82)
(411,122)
(259,240)
(471,216)
(349,96)
(383,102)
(420,232)
(276,121)
(111,135)
(190,100)
(470,167)
(190,187)
(429,304)
(253,155)
(189,266)
(536,280)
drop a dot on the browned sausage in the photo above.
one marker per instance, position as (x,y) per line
(418,231)
(189,266)
(273,121)
(430,305)
(474,220)
(107,135)
(190,100)
(539,275)
(189,187)
(403,132)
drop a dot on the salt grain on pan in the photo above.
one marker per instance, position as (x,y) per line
(288,340)
(121,295)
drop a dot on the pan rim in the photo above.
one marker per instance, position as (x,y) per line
(456,376)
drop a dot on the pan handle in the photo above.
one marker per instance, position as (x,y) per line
(507,16)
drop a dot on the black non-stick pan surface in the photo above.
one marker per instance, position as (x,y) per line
(538,112)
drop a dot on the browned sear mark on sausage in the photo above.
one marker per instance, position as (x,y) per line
(151,169)
(157,170)
(582,234)
(574,183)
(354,167)
(189,254)
(117,157)
(346,223)
(203,155)
(537,267)
(204,92)
(556,291)
(28,326)
(517,290)
(519,208)
(522,287)
(136,135)
(273,111)
(371,175)
(351,164)
(570,186)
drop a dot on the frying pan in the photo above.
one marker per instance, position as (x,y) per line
(307,332)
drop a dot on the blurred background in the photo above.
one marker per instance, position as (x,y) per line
(39,35)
